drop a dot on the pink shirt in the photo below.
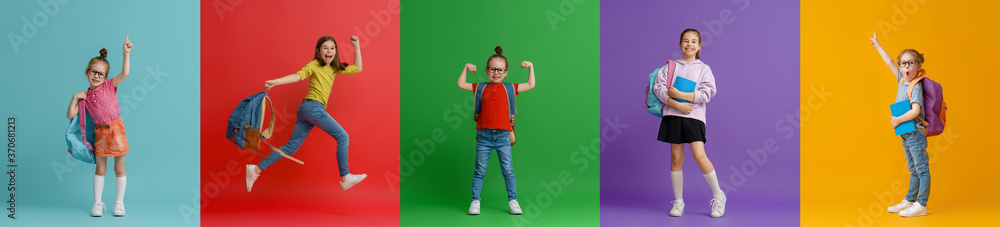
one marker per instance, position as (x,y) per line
(102,102)
(696,71)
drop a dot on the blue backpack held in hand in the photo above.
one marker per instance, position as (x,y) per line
(78,139)
(246,124)
(511,105)
(653,104)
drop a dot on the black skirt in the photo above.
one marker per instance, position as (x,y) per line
(679,130)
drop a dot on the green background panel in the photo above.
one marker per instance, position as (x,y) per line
(555,159)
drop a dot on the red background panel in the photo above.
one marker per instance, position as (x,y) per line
(244,43)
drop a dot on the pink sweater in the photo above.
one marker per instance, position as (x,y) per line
(695,71)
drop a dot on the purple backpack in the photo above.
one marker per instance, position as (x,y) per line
(934,106)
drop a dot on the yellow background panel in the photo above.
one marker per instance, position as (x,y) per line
(853,166)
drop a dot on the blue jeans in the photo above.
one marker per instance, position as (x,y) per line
(915,146)
(486,141)
(312,113)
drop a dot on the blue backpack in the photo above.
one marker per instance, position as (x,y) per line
(653,104)
(246,123)
(511,105)
(78,139)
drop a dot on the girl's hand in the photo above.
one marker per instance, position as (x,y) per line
(471,67)
(80,95)
(894,121)
(673,92)
(874,39)
(127,47)
(354,40)
(268,84)
(526,64)
(685,107)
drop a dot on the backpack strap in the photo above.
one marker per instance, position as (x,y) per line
(479,99)
(289,157)
(82,105)
(671,65)
(511,101)
(270,129)
(266,134)
(909,91)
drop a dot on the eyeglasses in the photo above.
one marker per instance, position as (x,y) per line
(97,73)
(497,70)
(908,63)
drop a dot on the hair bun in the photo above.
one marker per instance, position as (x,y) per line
(498,50)
(104,53)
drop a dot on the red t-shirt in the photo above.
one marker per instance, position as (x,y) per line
(494,112)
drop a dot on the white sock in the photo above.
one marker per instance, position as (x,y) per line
(98,187)
(120,186)
(677,181)
(713,182)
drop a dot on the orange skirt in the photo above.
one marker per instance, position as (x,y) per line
(110,139)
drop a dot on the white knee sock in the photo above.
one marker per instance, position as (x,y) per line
(98,187)
(713,182)
(677,181)
(120,186)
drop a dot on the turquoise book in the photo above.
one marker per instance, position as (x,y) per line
(684,85)
(898,109)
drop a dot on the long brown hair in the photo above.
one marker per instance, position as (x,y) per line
(100,58)
(336,64)
(697,55)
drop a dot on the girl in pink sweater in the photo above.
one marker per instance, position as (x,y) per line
(685,122)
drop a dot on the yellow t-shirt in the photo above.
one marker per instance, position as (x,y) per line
(322,79)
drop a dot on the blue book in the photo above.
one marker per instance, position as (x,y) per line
(898,109)
(684,85)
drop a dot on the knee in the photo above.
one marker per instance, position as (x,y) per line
(342,138)
(101,170)
(507,172)
(700,157)
(479,172)
(119,171)
(676,164)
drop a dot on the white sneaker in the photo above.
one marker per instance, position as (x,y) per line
(352,179)
(915,210)
(718,206)
(678,209)
(119,209)
(901,206)
(98,209)
(251,176)
(474,208)
(514,207)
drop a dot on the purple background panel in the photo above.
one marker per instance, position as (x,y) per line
(753,49)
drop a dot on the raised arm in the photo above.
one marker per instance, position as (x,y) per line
(73,108)
(357,51)
(531,77)
(885,56)
(290,78)
(461,77)
(126,48)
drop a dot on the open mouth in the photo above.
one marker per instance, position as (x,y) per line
(328,57)
(495,77)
